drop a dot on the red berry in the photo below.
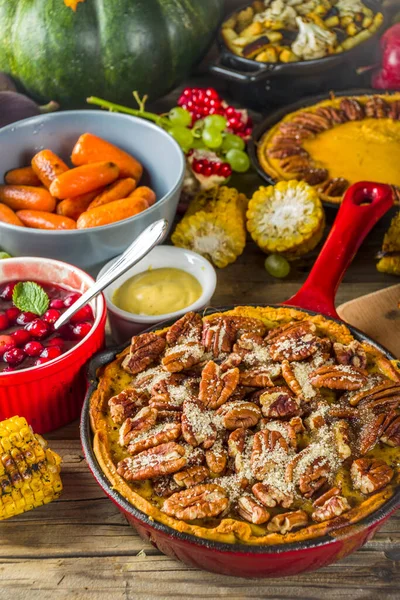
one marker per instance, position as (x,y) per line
(33,348)
(25,317)
(12,314)
(197,167)
(51,352)
(187,92)
(41,361)
(51,315)
(14,357)
(7,291)
(83,314)
(55,341)
(212,93)
(81,330)
(4,322)
(230,111)
(225,170)
(37,328)
(208,171)
(21,337)
(6,343)
(57,303)
(71,299)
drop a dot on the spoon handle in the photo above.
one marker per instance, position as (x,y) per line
(151,236)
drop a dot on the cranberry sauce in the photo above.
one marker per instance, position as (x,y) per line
(28,340)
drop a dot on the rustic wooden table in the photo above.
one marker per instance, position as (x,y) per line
(81,547)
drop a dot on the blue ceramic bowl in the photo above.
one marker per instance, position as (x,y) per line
(160,155)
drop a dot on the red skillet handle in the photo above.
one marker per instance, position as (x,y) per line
(363,205)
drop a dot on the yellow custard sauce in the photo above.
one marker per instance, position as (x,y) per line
(158,292)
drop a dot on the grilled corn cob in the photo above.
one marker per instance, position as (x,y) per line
(390,261)
(214,225)
(287,218)
(29,470)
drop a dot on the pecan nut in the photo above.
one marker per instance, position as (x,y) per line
(271,496)
(334,187)
(371,430)
(217,458)
(187,329)
(295,164)
(191,476)
(293,149)
(183,356)
(351,354)
(197,424)
(278,402)
(353,110)
(285,522)
(391,430)
(314,477)
(336,116)
(312,121)
(239,414)
(336,377)
(342,435)
(370,474)
(383,396)
(257,377)
(291,380)
(126,404)
(376,108)
(161,460)
(295,343)
(251,510)
(133,427)
(240,445)
(218,336)
(160,434)
(144,350)
(394,111)
(216,389)
(165,486)
(295,130)
(333,507)
(198,502)
(265,443)
(314,175)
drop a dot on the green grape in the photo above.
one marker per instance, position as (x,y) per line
(233,142)
(238,160)
(198,144)
(180,116)
(183,136)
(4,255)
(277,266)
(217,121)
(212,137)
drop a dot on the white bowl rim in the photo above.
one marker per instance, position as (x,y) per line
(67,232)
(83,276)
(199,303)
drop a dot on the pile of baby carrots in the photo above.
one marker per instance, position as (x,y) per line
(101,188)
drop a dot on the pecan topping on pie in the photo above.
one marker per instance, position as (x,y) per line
(126,404)
(161,460)
(278,402)
(216,388)
(198,502)
(287,521)
(145,349)
(353,354)
(370,474)
(337,377)
(352,109)
(252,511)
(191,476)
(188,328)
(333,507)
(239,414)
(271,496)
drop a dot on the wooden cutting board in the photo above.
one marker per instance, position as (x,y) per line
(377,315)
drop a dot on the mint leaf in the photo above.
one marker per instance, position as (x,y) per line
(4,255)
(28,296)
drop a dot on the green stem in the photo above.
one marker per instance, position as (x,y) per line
(129,111)
(50,107)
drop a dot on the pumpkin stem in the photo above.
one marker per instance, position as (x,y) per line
(50,107)
(158,119)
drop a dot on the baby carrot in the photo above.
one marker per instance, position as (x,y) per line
(7,215)
(27,197)
(84,179)
(90,148)
(40,219)
(137,202)
(48,166)
(116,191)
(23,176)
(73,207)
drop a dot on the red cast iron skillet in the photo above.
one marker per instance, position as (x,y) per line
(364,204)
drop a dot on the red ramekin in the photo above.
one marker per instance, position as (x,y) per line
(51,395)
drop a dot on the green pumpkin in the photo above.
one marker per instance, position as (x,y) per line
(105,48)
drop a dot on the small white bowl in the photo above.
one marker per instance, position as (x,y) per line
(125,324)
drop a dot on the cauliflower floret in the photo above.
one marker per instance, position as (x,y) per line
(312,41)
(303,8)
(348,8)
(278,11)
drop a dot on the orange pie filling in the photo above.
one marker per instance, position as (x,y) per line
(258,425)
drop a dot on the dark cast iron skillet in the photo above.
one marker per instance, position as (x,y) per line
(262,84)
(364,204)
(277,115)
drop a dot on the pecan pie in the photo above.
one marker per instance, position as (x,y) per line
(272,426)
(336,143)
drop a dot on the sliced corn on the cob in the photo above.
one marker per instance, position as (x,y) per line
(391,248)
(286,219)
(29,470)
(214,225)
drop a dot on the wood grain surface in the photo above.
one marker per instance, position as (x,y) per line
(81,547)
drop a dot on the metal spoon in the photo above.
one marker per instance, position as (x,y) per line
(151,236)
